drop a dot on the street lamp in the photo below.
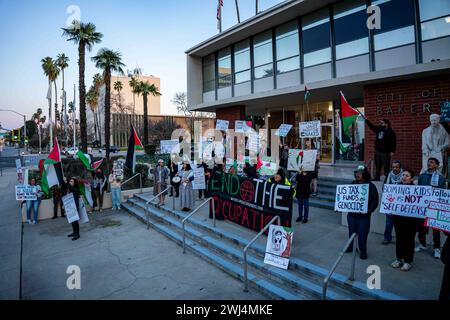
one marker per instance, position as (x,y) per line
(24,126)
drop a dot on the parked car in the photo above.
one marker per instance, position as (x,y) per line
(112,149)
(70,152)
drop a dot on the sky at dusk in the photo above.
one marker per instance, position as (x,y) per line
(150,34)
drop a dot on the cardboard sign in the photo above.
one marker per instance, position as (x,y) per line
(70,208)
(352,198)
(118,167)
(283,130)
(278,247)
(310,129)
(253,143)
(241,126)
(249,202)
(438,210)
(222,125)
(305,159)
(26,192)
(405,200)
(199,179)
(170,146)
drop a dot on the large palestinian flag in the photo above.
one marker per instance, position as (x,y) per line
(86,159)
(134,144)
(349,115)
(51,169)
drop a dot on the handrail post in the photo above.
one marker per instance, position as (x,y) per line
(250,243)
(214,211)
(148,215)
(148,203)
(173,197)
(140,181)
(352,271)
(187,217)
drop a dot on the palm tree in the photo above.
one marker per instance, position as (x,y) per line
(52,72)
(91,100)
(109,61)
(85,35)
(97,82)
(134,83)
(145,89)
(118,86)
(62,62)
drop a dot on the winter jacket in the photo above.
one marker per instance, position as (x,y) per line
(385,138)
(303,185)
(425,180)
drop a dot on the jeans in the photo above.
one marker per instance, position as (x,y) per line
(388,228)
(35,205)
(303,203)
(116,195)
(359,223)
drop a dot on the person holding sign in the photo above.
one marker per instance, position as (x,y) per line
(360,222)
(431,177)
(116,188)
(74,189)
(303,181)
(34,203)
(405,232)
(186,189)
(161,174)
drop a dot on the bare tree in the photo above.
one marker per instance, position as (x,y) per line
(180,101)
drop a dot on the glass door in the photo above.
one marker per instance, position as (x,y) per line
(326,143)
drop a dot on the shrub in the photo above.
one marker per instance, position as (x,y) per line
(150,149)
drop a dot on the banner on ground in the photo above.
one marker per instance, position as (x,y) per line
(222,125)
(352,198)
(70,208)
(249,202)
(310,129)
(278,247)
(305,159)
(438,210)
(406,200)
(26,192)
(170,146)
(199,179)
(283,130)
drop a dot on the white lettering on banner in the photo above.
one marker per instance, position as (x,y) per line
(310,129)
(405,200)
(352,198)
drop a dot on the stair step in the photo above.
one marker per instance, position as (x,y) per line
(321,204)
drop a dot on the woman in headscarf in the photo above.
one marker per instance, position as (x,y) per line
(186,189)
(161,174)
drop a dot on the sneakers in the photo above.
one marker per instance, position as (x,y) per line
(397,263)
(28,221)
(437,253)
(35,222)
(406,267)
(420,248)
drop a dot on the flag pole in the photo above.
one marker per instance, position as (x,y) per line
(237,11)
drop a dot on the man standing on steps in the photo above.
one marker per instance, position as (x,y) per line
(385,144)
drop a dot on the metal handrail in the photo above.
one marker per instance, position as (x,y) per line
(194,212)
(341,255)
(248,246)
(128,180)
(149,201)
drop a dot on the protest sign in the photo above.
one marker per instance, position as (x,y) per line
(405,200)
(118,169)
(268,168)
(253,142)
(310,129)
(250,202)
(305,159)
(199,179)
(18,164)
(445,111)
(352,198)
(70,208)
(283,130)
(278,247)
(83,213)
(241,126)
(222,125)
(438,210)
(26,192)
(170,146)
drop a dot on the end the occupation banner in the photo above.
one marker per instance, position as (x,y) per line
(250,202)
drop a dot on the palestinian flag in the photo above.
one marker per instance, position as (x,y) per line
(349,115)
(86,192)
(259,164)
(86,159)
(307,93)
(134,144)
(51,169)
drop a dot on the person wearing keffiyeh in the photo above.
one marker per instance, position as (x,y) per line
(394,177)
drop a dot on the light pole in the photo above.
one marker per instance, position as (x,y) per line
(39,125)
(24,126)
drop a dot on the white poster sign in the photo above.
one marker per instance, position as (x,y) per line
(438,210)
(170,146)
(278,247)
(253,142)
(18,164)
(199,179)
(310,129)
(70,208)
(283,130)
(405,200)
(118,169)
(241,126)
(352,198)
(305,159)
(26,192)
(222,125)
(83,213)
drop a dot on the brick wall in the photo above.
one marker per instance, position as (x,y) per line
(408,105)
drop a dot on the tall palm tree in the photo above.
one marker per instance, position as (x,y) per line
(145,88)
(118,86)
(62,61)
(97,82)
(134,83)
(91,100)
(51,71)
(109,61)
(85,35)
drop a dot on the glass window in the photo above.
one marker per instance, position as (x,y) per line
(263,54)
(287,45)
(209,73)
(433,9)
(397,24)
(316,38)
(242,61)
(224,66)
(436,28)
(351,32)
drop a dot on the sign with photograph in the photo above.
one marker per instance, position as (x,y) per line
(70,208)
(352,198)
(405,200)
(170,146)
(26,192)
(278,247)
(310,129)
(305,159)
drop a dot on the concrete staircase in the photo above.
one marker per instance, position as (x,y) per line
(327,192)
(224,249)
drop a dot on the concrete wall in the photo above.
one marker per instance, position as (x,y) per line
(194,80)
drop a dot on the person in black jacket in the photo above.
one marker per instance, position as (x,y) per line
(74,189)
(303,192)
(385,145)
(173,167)
(360,222)
(445,258)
